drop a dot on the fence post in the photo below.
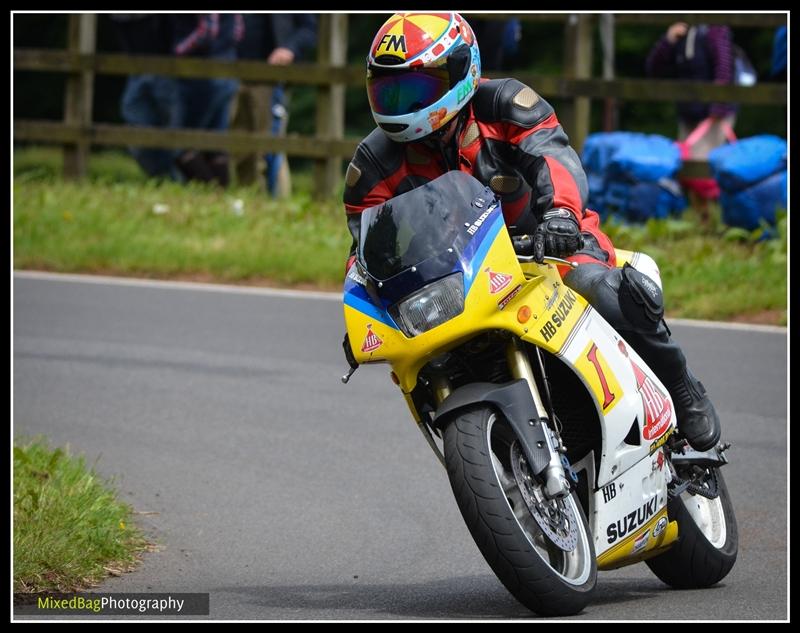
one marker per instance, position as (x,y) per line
(607,40)
(332,50)
(578,65)
(81,39)
(252,113)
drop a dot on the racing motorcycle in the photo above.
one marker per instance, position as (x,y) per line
(559,442)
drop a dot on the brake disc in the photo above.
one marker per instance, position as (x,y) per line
(555,517)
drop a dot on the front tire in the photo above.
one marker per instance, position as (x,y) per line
(708,540)
(495,494)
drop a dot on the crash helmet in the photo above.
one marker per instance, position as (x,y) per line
(422,69)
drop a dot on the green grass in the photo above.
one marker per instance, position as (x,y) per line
(70,531)
(116,225)
(714,272)
(45,163)
(111,224)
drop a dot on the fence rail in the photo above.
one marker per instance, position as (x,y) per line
(352,76)
(331,75)
(737,20)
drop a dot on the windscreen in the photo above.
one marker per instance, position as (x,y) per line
(423,223)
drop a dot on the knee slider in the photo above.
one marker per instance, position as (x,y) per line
(640,299)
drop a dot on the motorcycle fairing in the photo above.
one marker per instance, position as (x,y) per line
(630,521)
(561,322)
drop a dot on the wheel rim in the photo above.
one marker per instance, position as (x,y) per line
(709,516)
(574,566)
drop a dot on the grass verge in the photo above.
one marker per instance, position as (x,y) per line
(70,531)
(710,271)
(120,223)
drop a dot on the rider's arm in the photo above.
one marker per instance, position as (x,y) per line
(529,129)
(371,179)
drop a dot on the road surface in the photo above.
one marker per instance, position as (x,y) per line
(287,495)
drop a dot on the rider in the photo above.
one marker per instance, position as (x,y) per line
(435,114)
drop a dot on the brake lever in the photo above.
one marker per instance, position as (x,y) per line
(547,260)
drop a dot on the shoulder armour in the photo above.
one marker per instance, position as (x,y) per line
(377,157)
(510,101)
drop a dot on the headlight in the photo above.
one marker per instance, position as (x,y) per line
(431,306)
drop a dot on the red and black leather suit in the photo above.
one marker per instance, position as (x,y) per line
(510,139)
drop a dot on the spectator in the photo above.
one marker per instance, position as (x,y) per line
(699,53)
(282,39)
(149,100)
(206,102)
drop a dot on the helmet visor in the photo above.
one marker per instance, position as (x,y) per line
(395,93)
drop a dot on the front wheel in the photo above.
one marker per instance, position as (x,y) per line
(540,549)
(708,540)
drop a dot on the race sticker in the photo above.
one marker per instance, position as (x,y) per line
(498,281)
(657,407)
(371,342)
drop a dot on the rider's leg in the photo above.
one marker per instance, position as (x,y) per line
(633,304)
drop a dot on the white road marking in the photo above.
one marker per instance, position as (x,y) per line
(311,294)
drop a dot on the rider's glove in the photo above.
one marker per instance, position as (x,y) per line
(558,235)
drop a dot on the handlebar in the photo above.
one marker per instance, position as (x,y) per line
(524,244)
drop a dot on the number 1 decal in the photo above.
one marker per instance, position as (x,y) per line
(607,395)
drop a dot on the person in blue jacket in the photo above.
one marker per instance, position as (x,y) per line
(282,39)
(206,102)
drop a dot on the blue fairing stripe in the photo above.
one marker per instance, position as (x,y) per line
(356,297)
(481,246)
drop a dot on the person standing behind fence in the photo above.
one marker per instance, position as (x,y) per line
(206,102)
(699,53)
(281,39)
(149,100)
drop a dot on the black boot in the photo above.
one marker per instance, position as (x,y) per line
(219,164)
(194,166)
(697,419)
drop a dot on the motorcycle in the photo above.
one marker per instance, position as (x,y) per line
(559,442)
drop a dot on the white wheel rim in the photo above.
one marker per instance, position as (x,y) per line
(572,567)
(709,516)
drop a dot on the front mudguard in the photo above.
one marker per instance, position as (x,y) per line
(512,399)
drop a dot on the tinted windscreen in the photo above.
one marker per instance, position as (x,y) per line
(420,224)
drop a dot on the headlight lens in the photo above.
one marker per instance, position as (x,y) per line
(430,306)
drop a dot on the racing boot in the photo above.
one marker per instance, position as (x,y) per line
(697,419)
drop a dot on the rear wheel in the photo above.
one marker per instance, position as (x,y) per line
(540,549)
(708,540)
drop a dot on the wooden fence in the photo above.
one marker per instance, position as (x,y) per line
(331,75)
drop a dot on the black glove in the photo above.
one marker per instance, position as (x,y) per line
(558,235)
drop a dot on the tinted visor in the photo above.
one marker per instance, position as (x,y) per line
(395,93)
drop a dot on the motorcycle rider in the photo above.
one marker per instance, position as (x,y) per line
(435,113)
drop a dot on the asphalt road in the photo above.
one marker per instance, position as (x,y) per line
(287,495)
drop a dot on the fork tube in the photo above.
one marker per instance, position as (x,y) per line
(441,389)
(520,367)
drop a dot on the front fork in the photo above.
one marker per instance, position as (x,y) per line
(545,442)
(554,476)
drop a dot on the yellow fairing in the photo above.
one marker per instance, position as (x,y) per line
(641,544)
(498,288)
